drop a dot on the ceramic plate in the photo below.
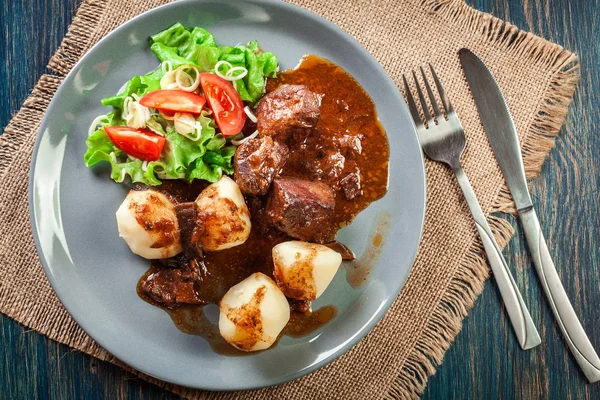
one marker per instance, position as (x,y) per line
(94,273)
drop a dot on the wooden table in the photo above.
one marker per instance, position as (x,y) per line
(485,361)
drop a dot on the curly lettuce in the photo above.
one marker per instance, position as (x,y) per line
(181,45)
(206,158)
(204,153)
(184,46)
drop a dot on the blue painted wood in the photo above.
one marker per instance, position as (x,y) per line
(485,361)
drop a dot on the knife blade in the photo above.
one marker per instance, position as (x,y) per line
(502,134)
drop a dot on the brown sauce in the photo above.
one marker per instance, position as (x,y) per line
(301,325)
(358,271)
(347,115)
(193,321)
(346,110)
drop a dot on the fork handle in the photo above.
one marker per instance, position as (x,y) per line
(525,330)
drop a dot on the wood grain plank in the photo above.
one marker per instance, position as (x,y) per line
(485,361)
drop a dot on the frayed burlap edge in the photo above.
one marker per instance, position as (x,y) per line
(27,119)
(446,321)
(78,38)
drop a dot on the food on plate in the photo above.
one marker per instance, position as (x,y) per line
(148,223)
(301,208)
(242,176)
(174,287)
(139,143)
(225,104)
(174,101)
(288,112)
(304,270)
(191,227)
(224,215)
(193,102)
(256,163)
(253,313)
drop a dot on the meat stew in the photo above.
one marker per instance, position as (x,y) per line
(340,148)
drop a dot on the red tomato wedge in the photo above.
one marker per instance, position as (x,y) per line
(225,102)
(174,101)
(139,143)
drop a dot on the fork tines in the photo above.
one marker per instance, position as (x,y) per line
(429,120)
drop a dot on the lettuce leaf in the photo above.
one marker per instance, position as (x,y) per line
(181,45)
(184,46)
(203,36)
(139,85)
(150,82)
(166,53)
(182,158)
(182,38)
(131,87)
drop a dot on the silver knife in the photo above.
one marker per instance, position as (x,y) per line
(502,135)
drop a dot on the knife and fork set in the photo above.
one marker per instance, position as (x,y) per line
(442,139)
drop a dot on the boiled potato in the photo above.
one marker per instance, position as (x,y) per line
(304,270)
(224,214)
(148,223)
(253,313)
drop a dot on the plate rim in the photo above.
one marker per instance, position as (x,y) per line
(366,329)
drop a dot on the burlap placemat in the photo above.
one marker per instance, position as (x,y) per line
(538,79)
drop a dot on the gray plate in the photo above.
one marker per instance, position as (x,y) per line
(94,273)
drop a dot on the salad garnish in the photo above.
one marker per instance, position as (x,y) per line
(184,119)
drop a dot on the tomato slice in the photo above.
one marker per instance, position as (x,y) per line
(225,102)
(174,101)
(139,143)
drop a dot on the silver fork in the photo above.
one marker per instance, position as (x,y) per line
(443,139)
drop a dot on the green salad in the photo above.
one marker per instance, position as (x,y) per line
(183,120)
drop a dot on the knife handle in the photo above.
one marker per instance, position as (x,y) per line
(525,330)
(569,324)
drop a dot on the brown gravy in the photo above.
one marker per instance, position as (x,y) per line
(347,115)
(358,271)
(346,110)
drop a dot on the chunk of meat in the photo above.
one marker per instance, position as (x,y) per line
(172,287)
(331,166)
(351,144)
(190,227)
(301,306)
(257,161)
(301,209)
(168,288)
(351,185)
(326,156)
(176,282)
(289,112)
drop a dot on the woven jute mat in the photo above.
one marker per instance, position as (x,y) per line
(538,79)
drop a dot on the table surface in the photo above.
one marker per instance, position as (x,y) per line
(485,361)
